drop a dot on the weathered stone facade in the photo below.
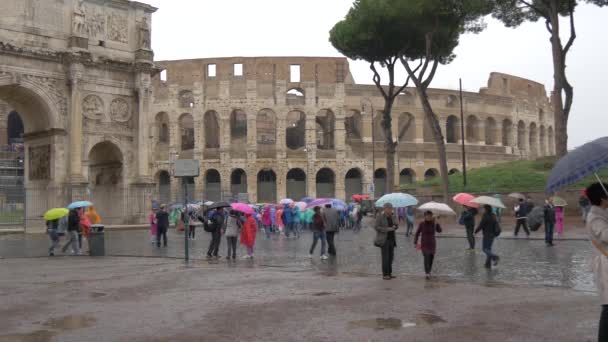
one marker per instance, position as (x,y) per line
(79,75)
(262,125)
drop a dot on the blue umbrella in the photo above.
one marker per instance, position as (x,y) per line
(79,204)
(578,164)
(398,200)
(307,200)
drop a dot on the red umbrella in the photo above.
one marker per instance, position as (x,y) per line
(359,198)
(465,199)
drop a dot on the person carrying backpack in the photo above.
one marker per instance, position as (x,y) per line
(215,226)
(467,219)
(491,230)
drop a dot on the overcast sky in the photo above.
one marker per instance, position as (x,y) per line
(223,28)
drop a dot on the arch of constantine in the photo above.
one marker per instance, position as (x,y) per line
(102,121)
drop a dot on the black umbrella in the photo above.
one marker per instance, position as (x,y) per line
(536,218)
(218,205)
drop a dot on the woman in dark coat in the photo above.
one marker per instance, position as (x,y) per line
(490,229)
(428,245)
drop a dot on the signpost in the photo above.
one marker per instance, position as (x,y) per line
(183,168)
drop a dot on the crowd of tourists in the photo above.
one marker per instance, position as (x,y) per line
(75,228)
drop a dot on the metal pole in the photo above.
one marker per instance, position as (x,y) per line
(186,223)
(462,137)
(373,195)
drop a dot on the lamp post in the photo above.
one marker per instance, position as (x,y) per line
(462,137)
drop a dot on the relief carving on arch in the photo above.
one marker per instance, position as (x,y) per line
(92,107)
(119,110)
(117,28)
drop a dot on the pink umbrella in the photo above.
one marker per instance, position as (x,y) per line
(243,208)
(465,199)
(301,205)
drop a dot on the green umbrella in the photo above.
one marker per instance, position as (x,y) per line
(55,214)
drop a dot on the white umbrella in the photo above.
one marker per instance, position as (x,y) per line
(491,201)
(437,208)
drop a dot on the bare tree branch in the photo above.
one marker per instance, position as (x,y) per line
(376,79)
(572,29)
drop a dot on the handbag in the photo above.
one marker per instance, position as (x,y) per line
(497,229)
(380,240)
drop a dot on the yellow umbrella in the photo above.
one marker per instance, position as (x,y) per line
(559,202)
(55,214)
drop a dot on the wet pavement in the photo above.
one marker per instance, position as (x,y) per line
(523,262)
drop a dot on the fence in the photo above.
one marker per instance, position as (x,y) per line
(12,193)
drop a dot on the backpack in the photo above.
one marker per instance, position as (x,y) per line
(497,229)
(461,219)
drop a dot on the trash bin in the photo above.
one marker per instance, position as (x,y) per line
(97,240)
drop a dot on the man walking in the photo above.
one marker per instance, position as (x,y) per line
(468,218)
(217,223)
(73,228)
(162,225)
(549,221)
(331,218)
(521,214)
(288,220)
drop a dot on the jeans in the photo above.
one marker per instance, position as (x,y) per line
(231,240)
(214,245)
(289,227)
(191,231)
(549,227)
(268,230)
(603,330)
(54,236)
(522,223)
(331,247)
(388,254)
(72,242)
(428,262)
(315,238)
(487,249)
(410,228)
(471,236)
(161,232)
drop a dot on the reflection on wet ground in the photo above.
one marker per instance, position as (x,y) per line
(53,326)
(523,262)
(424,318)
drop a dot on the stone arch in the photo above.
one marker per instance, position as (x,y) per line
(162,128)
(472,129)
(533,139)
(107,176)
(212,129)
(353,127)
(407,127)
(266,128)
(163,181)
(295,97)
(452,129)
(551,142)
(326,129)
(186,127)
(407,176)
(353,183)
(238,128)
(453,171)
(326,183)
(295,132)
(543,141)
(521,135)
(491,131)
(379,182)
(296,184)
(186,99)
(430,174)
(238,182)
(267,186)
(507,132)
(213,185)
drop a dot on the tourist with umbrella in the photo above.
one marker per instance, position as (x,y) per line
(267,221)
(490,229)
(318,233)
(549,218)
(386,225)
(217,222)
(234,224)
(467,217)
(248,234)
(73,227)
(52,218)
(162,225)
(428,244)
(331,217)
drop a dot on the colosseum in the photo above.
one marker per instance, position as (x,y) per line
(266,128)
(86,113)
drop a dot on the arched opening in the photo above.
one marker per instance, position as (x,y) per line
(186,99)
(472,129)
(407,128)
(352,125)
(533,140)
(295,132)
(12,190)
(326,123)
(162,127)
(490,131)
(543,141)
(238,183)
(296,184)
(267,186)
(521,136)
(14,129)
(186,125)
(452,130)
(353,183)
(266,128)
(295,97)
(212,130)
(541,115)
(430,174)
(326,183)
(551,141)
(106,181)
(164,187)
(379,183)
(407,176)
(238,128)
(507,132)
(453,171)
(213,186)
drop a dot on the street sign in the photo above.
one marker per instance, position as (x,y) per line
(371,189)
(186,168)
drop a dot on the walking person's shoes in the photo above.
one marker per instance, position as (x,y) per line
(208,256)
(392,276)
(428,276)
(324,257)
(386,277)
(496,260)
(311,256)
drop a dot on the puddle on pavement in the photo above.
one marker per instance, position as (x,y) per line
(98,294)
(430,318)
(55,326)
(381,324)
(319,294)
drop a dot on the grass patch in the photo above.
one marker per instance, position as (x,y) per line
(517,176)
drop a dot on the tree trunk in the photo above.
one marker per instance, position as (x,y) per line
(559,82)
(438,136)
(389,145)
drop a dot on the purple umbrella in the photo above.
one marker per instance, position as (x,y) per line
(307,200)
(319,202)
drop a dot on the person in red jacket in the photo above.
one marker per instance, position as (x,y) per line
(426,230)
(248,235)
